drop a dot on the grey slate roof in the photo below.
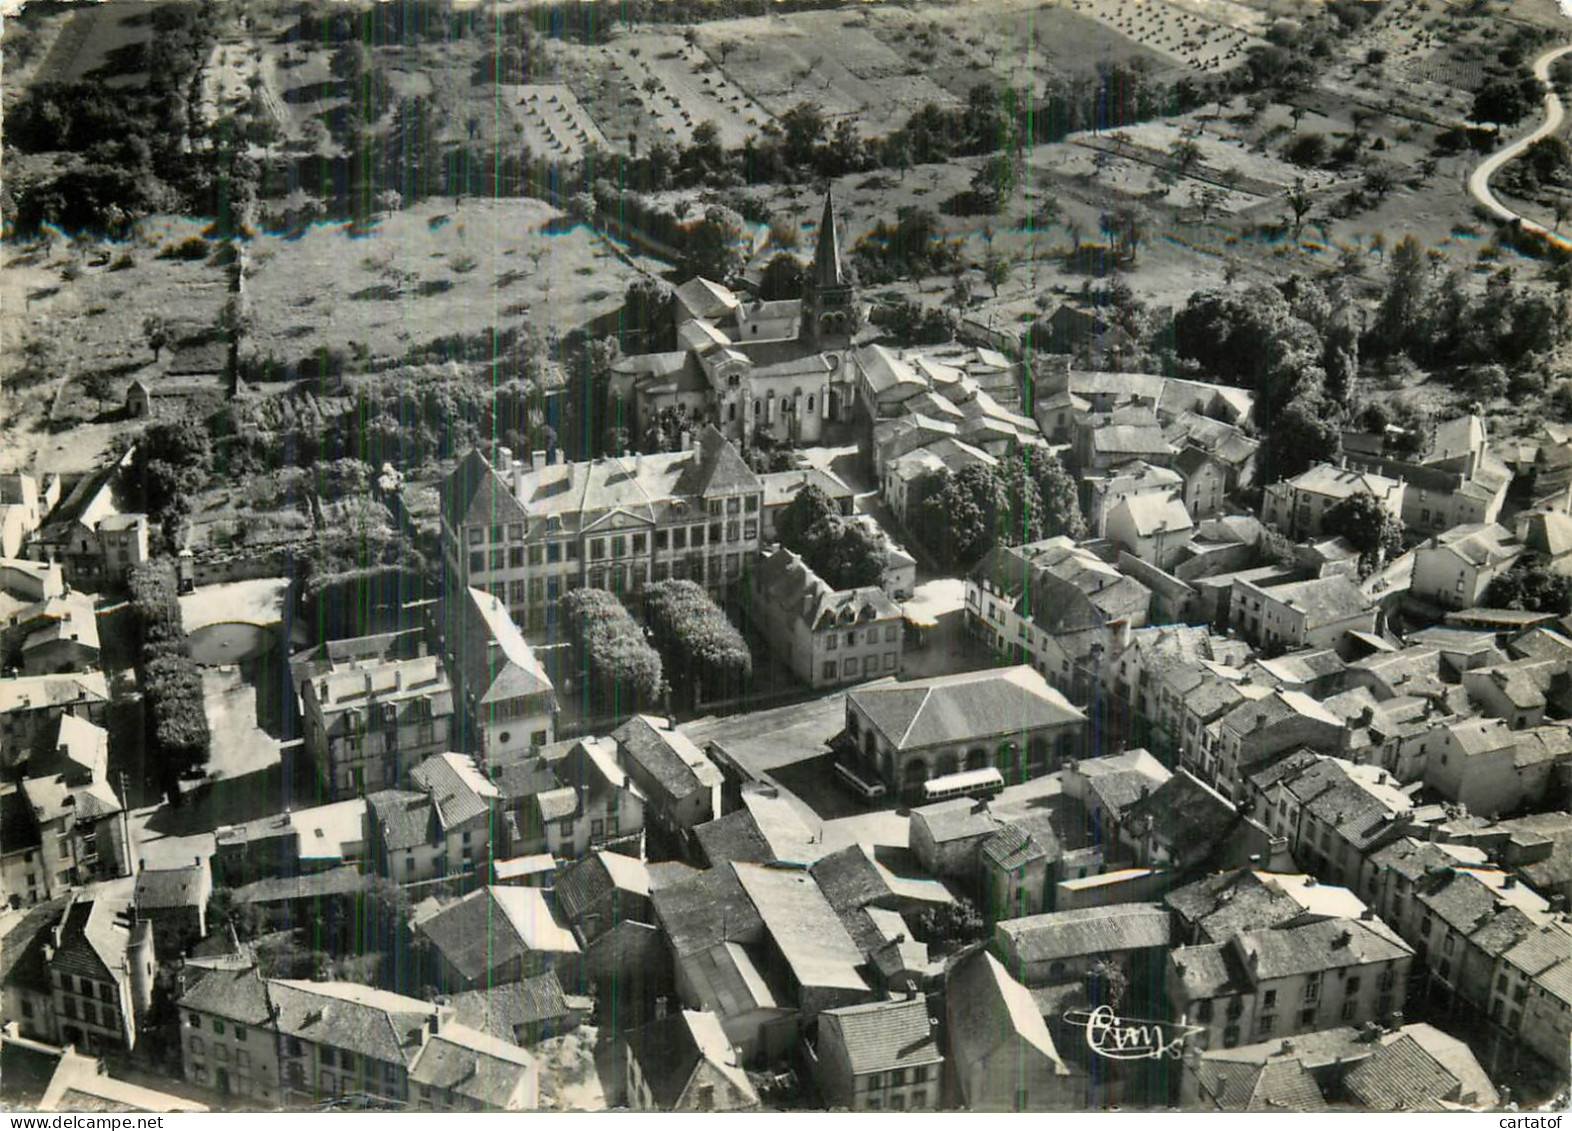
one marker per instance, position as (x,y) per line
(885,1035)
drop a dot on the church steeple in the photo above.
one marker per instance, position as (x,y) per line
(827,270)
(829,303)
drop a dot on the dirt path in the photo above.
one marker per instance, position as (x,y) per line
(1479,180)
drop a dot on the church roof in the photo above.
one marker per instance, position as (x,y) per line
(827,269)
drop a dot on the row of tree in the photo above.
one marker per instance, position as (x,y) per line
(622,673)
(176,718)
(702,651)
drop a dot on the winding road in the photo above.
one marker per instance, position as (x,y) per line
(1479,180)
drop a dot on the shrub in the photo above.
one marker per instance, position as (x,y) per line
(190,249)
(702,649)
(171,685)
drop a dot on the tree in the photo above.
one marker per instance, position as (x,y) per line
(1308,151)
(696,640)
(714,245)
(958,516)
(1372,529)
(156,331)
(1299,202)
(782,278)
(808,508)
(1059,498)
(1505,101)
(1401,314)
(1531,585)
(1304,432)
(224,911)
(995,270)
(623,671)
(1379,181)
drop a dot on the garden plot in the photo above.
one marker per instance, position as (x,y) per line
(428,272)
(554,123)
(1208,35)
(1228,162)
(655,86)
(831,58)
(100,37)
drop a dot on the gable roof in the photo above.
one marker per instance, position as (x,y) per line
(1085,931)
(158,888)
(456,787)
(1399,1075)
(383,1026)
(884,1035)
(704,909)
(1284,1085)
(987,1009)
(496,661)
(582,884)
(667,755)
(806,930)
(493,926)
(521,1011)
(476,493)
(238,994)
(670,1050)
(475,1065)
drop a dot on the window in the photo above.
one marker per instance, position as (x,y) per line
(640,543)
(698,536)
(832,641)
(891,633)
(829,669)
(1313,991)
(889,661)
(240,1034)
(919,1099)
(496,533)
(572,549)
(679,538)
(1230,1036)
(566,828)
(1265,1025)
(477,562)
(218,1026)
(196,1042)
(619,545)
(1350,1007)
(850,667)
(597,549)
(874,1104)
(875,1080)
(476,536)
(851,640)
(194,1020)
(553,552)
(1269,1001)
(221,1053)
(537,554)
(1203,1012)
(498,557)
(920,1074)
(515,532)
(716,532)
(1351,987)
(1307,1018)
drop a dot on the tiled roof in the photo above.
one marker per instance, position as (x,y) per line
(1399,1075)
(22,947)
(383,1026)
(666,754)
(670,1049)
(1240,1086)
(962,708)
(459,790)
(1322,945)
(496,661)
(958,819)
(475,493)
(94,940)
(988,1010)
(736,836)
(158,888)
(1183,813)
(583,884)
(404,817)
(1221,905)
(493,926)
(516,1011)
(1086,931)
(885,1035)
(786,581)
(704,909)
(236,995)
(475,1065)
(1010,847)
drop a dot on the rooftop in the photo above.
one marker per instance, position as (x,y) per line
(966,707)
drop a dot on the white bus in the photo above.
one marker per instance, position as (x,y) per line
(967,783)
(868,791)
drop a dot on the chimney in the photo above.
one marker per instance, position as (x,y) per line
(1508,882)
(504,459)
(518,481)
(660,1007)
(398,679)
(1343,940)
(537,461)
(368,682)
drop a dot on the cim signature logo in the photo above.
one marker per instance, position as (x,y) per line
(1129,1038)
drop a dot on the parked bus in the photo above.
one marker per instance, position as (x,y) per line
(868,791)
(968,783)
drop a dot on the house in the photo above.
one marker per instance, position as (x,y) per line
(509,703)
(1104,492)
(1492,769)
(807,950)
(1200,440)
(64,825)
(307,1042)
(1017,866)
(1152,526)
(1521,692)
(1214,908)
(1455,568)
(525,1012)
(31,706)
(1055,606)
(898,578)
(1283,981)
(1332,812)
(602,890)
(1534,1004)
(855,877)
(1001,1055)
(495,935)
(1252,729)
(880,1056)
(1298,506)
(1456,481)
(368,722)
(683,1062)
(947,836)
(292,843)
(174,900)
(827,637)
(906,733)
(1205,477)
(1183,823)
(441,827)
(81,973)
(781,487)
(905,478)
(571,803)
(59,634)
(1106,440)
(31,581)
(1298,614)
(22,509)
(1060,946)
(1105,786)
(92,533)
(681,786)
(528,533)
(1416,1066)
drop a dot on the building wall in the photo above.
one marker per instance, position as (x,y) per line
(93,1014)
(1441,576)
(1017,1077)
(1306,1003)
(234,1060)
(514,727)
(1486,782)
(377,757)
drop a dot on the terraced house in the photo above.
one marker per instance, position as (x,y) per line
(528,533)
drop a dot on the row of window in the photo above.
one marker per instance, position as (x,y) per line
(221,1053)
(868,667)
(194,1020)
(892,633)
(106,1016)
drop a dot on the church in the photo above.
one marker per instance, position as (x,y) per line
(784,368)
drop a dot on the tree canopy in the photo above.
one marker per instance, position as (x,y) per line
(696,640)
(624,671)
